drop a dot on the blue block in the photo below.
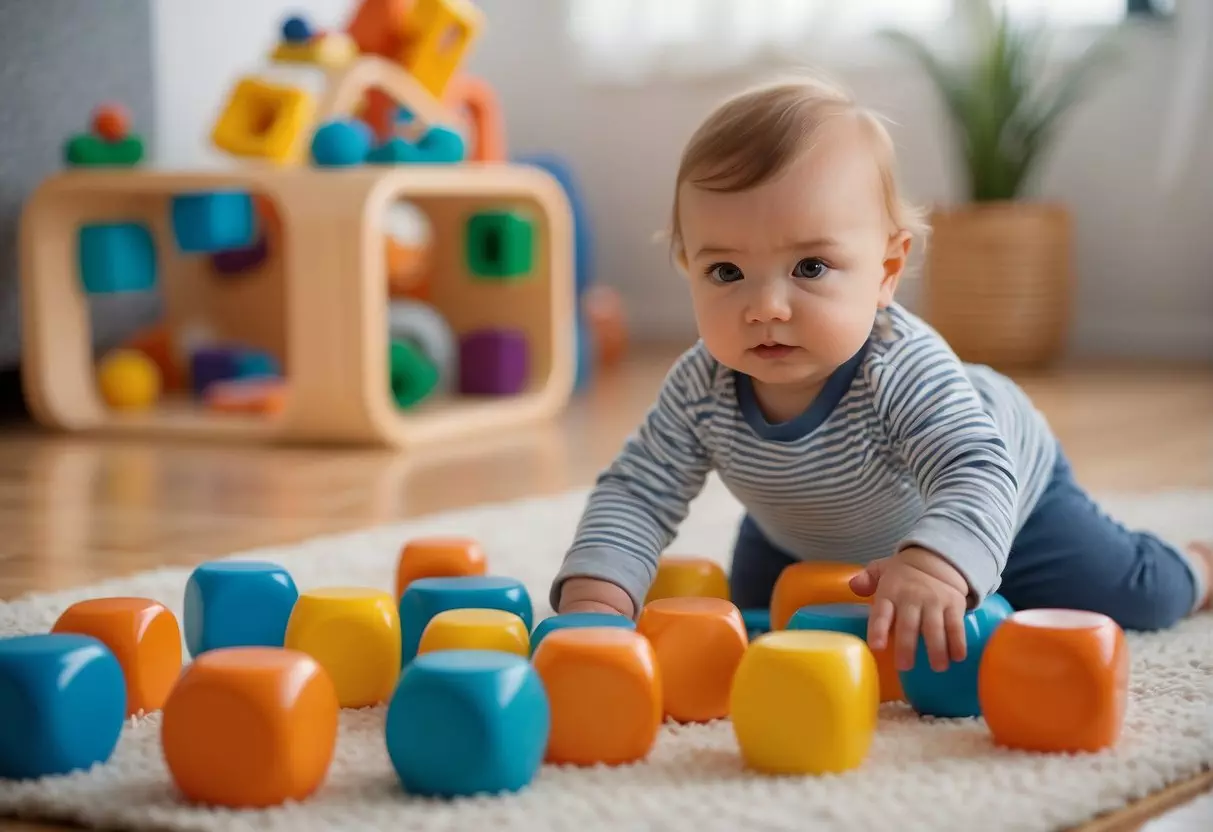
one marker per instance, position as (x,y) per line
(257,364)
(840,618)
(237,604)
(116,257)
(953,692)
(441,145)
(62,704)
(426,597)
(467,722)
(757,622)
(342,143)
(212,222)
(583,237)
(578,619)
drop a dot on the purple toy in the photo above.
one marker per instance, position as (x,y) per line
(240,260)
(493,362)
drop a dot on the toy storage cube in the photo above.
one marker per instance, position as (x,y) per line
(117,257)
(499,244)
(214,222)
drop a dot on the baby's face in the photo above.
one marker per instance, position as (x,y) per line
(786,278)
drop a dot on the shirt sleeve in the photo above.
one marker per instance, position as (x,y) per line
(634,510)
(940,428)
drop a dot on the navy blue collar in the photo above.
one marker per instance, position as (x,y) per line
(812,417)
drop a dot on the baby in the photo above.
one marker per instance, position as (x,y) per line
(844,424)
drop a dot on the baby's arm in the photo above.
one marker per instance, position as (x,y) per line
(638,502)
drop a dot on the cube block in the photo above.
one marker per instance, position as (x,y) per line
(757,622)
(1055,681)
(142,634)
(813,582)
(63,697)
(476,630)
(467,722)
(438,557)
(250,727)
(426,597)
(553,623)
(500,244)
(683,576)
(210,365)
(604,688)
(853,619)
(264,120)
(237,604)
(411,373)
(117,257)
(805,702)
(212,222)
(493,362)
(354,634)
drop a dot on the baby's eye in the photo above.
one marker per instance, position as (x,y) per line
(724,272)
(810,267)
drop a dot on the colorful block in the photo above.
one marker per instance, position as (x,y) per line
(63,697)
(212,222)
(438,146)
(757,622)
(467,722)
(475,630)
(250,727)
(953,692)
(604,689)
(684,576)
(438,557)
(116,257)
(1055,681)
(802,584)
(354,634)
(237,604)
(500,244)
(88,151)
(577,619)
(493,362)
(241,260)
(128,380)
(805,702)
(264,120)
(438,36)
(426,597)
(423,326)
(853,619)
(142,634)
(698,642)
(413,376)
(342,143)
(211,365)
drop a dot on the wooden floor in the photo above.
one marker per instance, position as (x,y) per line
(74,510)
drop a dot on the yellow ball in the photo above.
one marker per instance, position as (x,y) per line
(128,380)
(805,702)
(476,629)
(354,634)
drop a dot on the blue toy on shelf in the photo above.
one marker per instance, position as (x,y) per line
(116,257)
(207,223)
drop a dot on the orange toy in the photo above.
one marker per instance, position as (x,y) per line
(812,583)
(438,557)
(157,344)
(603,309)
(111,122)
(144,636)
(604,688)
(408,273)
(1055,681)
(250,727)
(477,99)
(699,642)
(682,576)
(247,395)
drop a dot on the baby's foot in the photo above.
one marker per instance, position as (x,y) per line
(1204,558)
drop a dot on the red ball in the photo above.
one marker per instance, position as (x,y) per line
(111,122)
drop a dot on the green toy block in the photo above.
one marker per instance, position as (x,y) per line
(499,244)
(413,375)
(86,151)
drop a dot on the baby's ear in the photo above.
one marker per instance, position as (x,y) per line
(896,255)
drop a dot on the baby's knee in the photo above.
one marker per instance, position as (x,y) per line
(1152,612)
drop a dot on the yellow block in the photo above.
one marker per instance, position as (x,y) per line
(680,576)
(354,634)
(805,702)
(440,32)
(331,51)
(128,380)
(264,120)
(476,629)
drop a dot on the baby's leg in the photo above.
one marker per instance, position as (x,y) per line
(1070,554)
(756,567)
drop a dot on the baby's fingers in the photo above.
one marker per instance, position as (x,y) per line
(880,619)
(905,637)
(954,621)
(936,638)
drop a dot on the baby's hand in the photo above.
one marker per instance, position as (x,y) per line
(592,595)
(915,591)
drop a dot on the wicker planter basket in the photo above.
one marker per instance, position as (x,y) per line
(998,281)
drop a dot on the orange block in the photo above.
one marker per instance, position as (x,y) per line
(250,727)
(438,557)
(144,636)
(604,313)
(1055,680)
(698,642)
(407,269)
(157,344)
(379,27)
(682,576)
(812,583)
(604,690)
(264,396)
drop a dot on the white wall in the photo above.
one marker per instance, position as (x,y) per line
(1144,258)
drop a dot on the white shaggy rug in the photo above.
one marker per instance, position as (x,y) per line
(920,774)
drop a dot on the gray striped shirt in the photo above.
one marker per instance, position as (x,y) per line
(905,445)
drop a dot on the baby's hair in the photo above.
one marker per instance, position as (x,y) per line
(754,135)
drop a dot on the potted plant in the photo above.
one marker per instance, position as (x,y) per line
(998,274)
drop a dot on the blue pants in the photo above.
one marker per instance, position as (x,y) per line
(1068,554)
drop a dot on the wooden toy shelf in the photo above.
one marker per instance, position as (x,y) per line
(319,303)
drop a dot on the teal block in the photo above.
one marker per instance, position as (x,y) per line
(441,146)
(426,597)
(499,244)
(213,222)
(467,722)
(839,618)
(116,257)
(237,604)
(757,621)
(568,620)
